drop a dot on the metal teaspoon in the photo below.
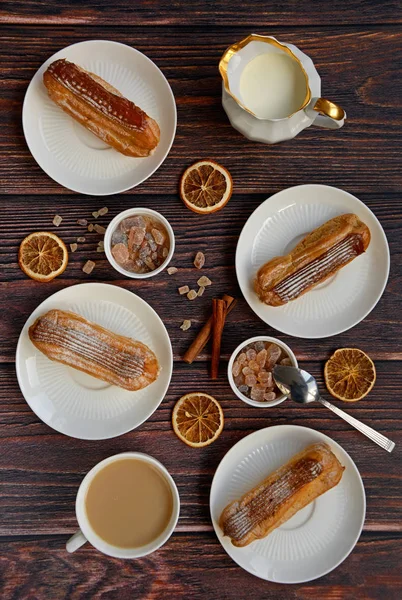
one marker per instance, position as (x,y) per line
(302,387)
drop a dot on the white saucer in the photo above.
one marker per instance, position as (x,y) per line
(317,538)
(73,156)
(77,404)
(341,302)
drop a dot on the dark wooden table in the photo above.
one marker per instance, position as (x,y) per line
(356,46)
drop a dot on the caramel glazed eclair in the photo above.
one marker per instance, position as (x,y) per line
(70,339)
(318,256)
(282,494)
(101,108)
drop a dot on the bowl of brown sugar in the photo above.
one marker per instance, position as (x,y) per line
(139,243)
(250,370)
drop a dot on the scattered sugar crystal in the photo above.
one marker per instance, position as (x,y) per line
(269,396)
(88,267)
(201,290)
(73,247)
(261,357)
(100,249)
(120,253)
(103,211)
(172,270)
(273,355)
(250,380)
(136,236)
(236,368)
(253,364)
(204,281)
(242,358)
(101,244)
(243,389)
(158,236)
(247,371)
(95,214)
(118,237)
(257,394)
(185,325)
(165,252)
(192,294)
(259,346)
(251,354)
(81,239)
(239,380)
(99,228)
(199,260)
(265,377)
(149,262)
(90,227)
(144,252)
(82,222)
(286,362)
(57,220)
(183,289)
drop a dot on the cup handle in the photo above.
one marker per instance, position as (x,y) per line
(331,115)
(76,541)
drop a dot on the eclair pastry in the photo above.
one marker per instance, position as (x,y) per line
(282,494)
(70,339)
(318,256)
(101,108)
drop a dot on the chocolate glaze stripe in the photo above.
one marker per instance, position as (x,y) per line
(82,85)
(128,365)
(340,254)
(267,501)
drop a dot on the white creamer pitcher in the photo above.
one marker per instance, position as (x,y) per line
(271,90)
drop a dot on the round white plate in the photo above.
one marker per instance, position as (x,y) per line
(317,538)
(342,301)
(75,403)
(72,155)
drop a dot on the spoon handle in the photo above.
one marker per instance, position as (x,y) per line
(376,437)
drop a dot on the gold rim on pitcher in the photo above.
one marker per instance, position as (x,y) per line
(322,105)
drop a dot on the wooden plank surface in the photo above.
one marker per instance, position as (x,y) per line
(357,48)
(356,72)
(217,236)
(198,12)
(31,451)
(178,570)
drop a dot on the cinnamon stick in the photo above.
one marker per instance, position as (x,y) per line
(218,315)
(205,333)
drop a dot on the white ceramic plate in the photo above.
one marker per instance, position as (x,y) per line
(73,156)
(317,538)
(75,403)
(342,301)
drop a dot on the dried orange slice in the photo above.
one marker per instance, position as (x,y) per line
(42,256)
(206,187)
(349,374)
(197,419)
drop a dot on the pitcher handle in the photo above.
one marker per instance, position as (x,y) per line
(331,115)
(76,541)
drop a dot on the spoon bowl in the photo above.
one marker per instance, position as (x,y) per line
(297,384)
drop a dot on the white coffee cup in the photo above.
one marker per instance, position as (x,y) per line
(86,532)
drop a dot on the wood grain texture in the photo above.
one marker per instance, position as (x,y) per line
(356,72)
(217,236)
(357,48)
(49,467)
(189,567)
(201,12)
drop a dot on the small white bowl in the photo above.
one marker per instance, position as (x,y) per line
(131,212)
(258,338)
